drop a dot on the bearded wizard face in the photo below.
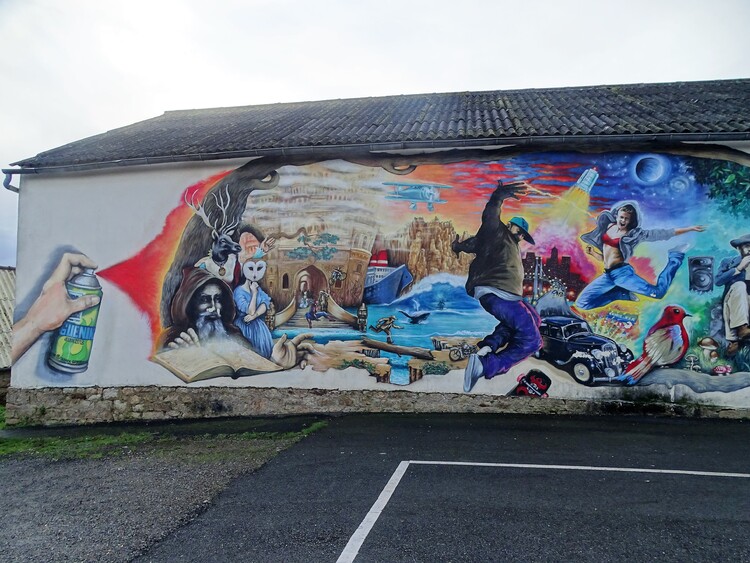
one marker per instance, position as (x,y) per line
(205,309)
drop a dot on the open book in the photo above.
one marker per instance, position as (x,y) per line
(226,359)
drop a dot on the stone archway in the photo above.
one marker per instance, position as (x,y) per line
(311,279)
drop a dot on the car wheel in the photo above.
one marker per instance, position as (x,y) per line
(581,373)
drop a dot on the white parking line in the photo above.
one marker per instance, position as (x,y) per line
(355,542)
(587,468)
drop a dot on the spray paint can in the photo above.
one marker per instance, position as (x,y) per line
(71,344)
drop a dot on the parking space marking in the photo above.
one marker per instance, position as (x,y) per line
(358,538)
(356,541)
(587,468)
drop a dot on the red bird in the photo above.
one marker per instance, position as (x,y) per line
(665,344)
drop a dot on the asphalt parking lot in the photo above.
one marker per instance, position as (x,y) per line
(486,488)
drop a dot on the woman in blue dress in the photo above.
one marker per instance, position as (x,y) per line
(252,303)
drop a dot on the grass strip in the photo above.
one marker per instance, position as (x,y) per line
(95,446)
(80,447)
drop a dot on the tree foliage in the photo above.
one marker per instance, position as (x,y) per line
(370,367)
(435,368)
(320,247)
(728,183)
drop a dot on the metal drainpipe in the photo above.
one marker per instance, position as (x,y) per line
(6,183)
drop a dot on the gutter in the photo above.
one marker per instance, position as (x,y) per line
(7,180)
(303,151)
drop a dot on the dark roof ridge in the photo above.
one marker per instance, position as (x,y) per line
(700,111)
(462,92)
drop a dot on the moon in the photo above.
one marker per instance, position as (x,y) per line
(650,169)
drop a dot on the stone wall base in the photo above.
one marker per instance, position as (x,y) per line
(4,384)
(88,405)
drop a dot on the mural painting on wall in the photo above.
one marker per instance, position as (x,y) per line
(605,270)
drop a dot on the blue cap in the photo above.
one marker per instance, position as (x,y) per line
(522,224)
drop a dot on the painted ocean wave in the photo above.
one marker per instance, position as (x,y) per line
(437,292)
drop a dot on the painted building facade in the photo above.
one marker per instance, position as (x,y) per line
(550,274)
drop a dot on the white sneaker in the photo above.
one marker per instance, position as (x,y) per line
(680,248)
(472,373)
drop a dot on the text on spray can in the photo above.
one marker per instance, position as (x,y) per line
(70,349)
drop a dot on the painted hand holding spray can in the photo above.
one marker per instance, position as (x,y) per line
(70,347)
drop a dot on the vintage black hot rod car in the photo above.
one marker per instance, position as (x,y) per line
(569,343)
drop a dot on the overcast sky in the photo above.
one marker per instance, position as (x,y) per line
(75,68)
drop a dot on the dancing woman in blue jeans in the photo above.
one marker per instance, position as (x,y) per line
(614,239)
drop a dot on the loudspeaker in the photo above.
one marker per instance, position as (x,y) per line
(701,273)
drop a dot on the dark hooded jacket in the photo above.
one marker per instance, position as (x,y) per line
(194,279)
(498,259)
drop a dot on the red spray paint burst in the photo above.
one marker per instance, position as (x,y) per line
(141,276)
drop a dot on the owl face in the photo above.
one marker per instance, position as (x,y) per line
(254,271)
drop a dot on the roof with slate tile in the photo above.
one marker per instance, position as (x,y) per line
(680,111)
(7,297)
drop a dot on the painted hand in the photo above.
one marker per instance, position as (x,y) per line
(455,247)
(185,340)
(267,244)
(591,251)
(512,189)
(289,353)
(53,305)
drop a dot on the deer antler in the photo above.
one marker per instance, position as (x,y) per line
(200,211)
(226,227)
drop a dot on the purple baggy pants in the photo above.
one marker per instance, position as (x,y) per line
(518,328)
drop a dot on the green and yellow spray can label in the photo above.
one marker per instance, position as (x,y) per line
(70,348)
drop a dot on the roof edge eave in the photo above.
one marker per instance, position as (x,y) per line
(307,150)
